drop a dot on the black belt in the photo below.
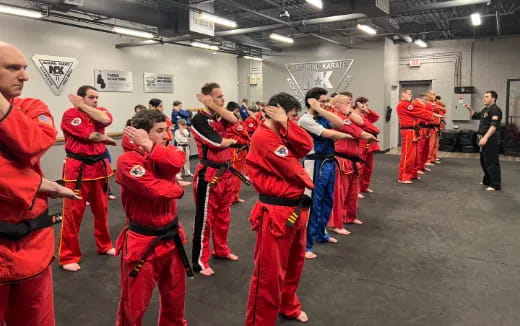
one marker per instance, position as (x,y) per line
(409,127)
(319,157)
(416,128)
(303,202)
(353,159)
(11,231)
(89,160)
(169,232)
(222,167)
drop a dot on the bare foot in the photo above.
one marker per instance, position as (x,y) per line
(360,196)
(356,221)
(427,169)
(341,231)
(232,257)
(429,164)
(490,189)
(332,240)
(420,172)
(111,252)
(405,181)
(310,255)
(74,267)
(302,317)
(239,200)
(370,190)
(207,271)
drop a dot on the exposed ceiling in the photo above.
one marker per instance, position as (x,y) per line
(256,19)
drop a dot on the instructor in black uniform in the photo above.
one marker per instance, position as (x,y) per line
(489,139)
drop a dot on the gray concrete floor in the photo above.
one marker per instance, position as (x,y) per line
(439,252)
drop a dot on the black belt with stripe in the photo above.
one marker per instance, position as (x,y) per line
(169,232)
(222,167)
(303,202)
(12,231)
(88,160)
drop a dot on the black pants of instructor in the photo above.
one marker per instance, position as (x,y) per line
(490,163)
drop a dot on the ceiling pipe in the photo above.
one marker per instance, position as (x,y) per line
(315,21)
(499,31)
(437,6)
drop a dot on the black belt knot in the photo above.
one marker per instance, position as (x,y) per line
(12,231)
(222,167)
(88,160)
(301,203)
(169,232)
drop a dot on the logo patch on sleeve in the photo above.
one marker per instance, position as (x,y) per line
(250,125)
(42,118)
(347,122)
(240,128)
(281,151)
(137,171)
(76,122)
(410,107)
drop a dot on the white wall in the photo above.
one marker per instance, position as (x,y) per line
(245,90)
(391,73)
(191,68)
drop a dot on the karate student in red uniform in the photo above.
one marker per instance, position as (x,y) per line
(26,238)
(424,136)
(281,214)
(213,179)
(239,133)
(408,123)
(367,148)
(346,186)
(86,170)
(151,246)
(436,123)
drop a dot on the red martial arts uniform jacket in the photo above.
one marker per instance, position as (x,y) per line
(408,114)
(26,133)
(77,126)
(370,118)
(252,122)
(348,147)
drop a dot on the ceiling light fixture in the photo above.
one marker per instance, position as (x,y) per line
(217,20)
(421,43)
(204,46)
(281,38)
(19,12)
(253,58)
(367,29)
(316,3)
(407,38)
(132,32)
(475,19)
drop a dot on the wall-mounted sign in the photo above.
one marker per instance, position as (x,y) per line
(199,25)
(415,62)
(113,80)
(55,70)
(330,74)
(157,83)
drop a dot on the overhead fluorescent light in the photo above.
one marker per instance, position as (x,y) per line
(421,43)
(367,29)
(218,20)
(253,58)
(281,38)
(475,19)
(407,38)
(204,46)
(132,32)
(10,10)
(316,3)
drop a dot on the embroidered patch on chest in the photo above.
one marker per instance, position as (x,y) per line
(410,107)
(137,171)
(281,151)
(347,122)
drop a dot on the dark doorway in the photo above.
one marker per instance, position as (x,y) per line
(512,131)
(418,87)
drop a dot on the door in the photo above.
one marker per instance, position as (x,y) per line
(418,87)
(512,131)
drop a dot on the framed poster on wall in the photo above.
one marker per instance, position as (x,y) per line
(157,83)
(113,80)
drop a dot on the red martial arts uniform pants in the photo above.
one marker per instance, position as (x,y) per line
(433,146)
(365,171)
(240,166)
(93,191)
(422,150)
(212,216)
(163,267)
(346,190)
(279,257)
(408,154)
(28,302)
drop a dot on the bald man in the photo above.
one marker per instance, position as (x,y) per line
(26,237)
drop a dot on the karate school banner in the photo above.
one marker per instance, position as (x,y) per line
(113,80)
(330,74)
(157,83)
(55,70)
